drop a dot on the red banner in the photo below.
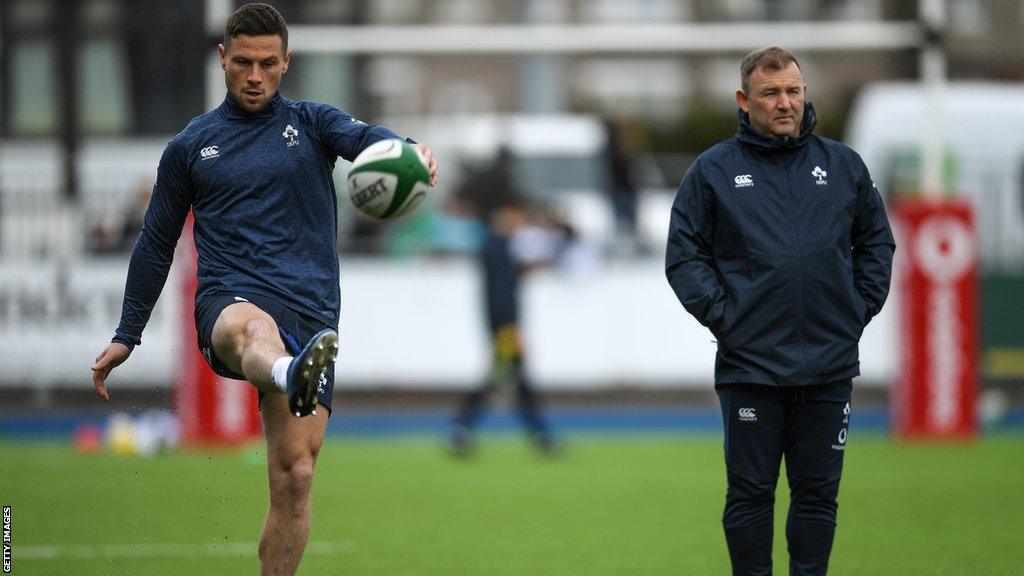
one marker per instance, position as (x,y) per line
(936,391)
(213,410)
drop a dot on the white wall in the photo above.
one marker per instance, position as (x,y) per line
(56,317)
(415,324)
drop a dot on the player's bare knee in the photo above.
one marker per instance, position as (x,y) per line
(230,331)
(258,328)
(300,479)
(297,469)
(240,324)
(314,451)
(290,489)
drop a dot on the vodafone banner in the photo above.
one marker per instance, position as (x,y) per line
(213,410)
(938,376)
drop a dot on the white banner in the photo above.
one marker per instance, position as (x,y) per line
(409,324)
(56,317)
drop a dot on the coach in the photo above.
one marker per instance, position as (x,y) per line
(779,243)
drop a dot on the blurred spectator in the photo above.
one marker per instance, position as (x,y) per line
(620,147)
(457,230)
(117,234)
(135,218)
(490,188)
(454,231)
(100,237)
(363,235)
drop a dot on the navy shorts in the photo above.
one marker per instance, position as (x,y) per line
(295,329)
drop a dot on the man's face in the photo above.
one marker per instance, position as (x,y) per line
(775,101)
(253,66)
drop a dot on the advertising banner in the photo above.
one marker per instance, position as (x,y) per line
(936,388)
(213,410)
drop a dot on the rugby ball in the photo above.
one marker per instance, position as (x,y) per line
(388,179)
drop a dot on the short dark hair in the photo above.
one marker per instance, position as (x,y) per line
(771,58)
(257,19)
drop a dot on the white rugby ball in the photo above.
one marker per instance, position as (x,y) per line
(388,179)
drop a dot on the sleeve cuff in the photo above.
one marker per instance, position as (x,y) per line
(130,341)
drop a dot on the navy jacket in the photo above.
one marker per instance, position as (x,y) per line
(266,215)
(782,248)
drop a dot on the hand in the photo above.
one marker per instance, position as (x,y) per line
(431,164)
(111,357)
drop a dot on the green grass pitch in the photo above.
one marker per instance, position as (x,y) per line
(607,506)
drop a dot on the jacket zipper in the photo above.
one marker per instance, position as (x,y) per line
(800,271)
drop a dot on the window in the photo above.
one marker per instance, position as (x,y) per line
(32,86)
(970,17)
(327,78)
(28,78)
(137,66)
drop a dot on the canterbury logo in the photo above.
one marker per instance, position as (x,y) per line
(748,414)
(209,152)
(743,180)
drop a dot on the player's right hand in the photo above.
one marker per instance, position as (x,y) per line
(111,357)
(431,163)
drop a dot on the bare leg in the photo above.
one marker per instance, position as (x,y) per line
(292,448)
(246,339)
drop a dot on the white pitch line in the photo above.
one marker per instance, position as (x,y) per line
(165,550)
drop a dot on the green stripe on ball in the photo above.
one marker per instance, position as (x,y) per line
(388,179)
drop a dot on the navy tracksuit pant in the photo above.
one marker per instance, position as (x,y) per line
(805,424)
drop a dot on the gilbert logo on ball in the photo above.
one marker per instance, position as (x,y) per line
(388,179)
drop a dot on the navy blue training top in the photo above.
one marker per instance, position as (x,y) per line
(781,247)
(260,188)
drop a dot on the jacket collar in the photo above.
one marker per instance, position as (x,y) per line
(230,108)
(747,135)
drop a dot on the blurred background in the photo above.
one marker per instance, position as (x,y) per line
(601,107)
(592,110)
